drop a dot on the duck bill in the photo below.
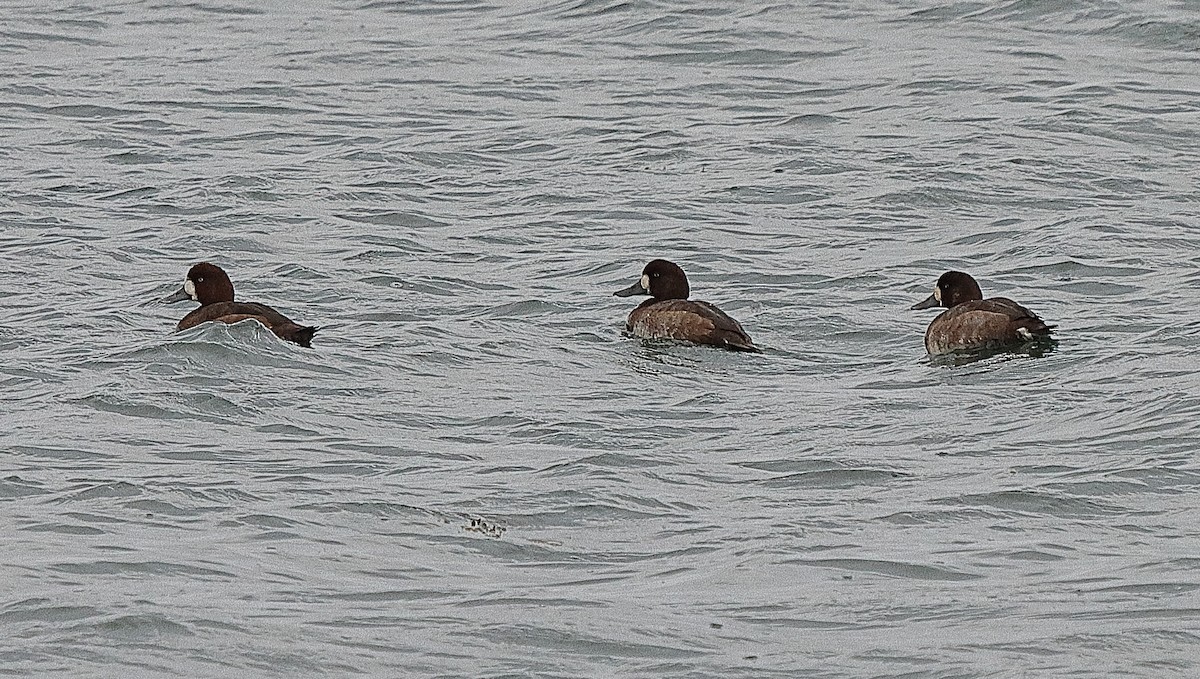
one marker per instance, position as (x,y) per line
(929,303)
(179,296)
(635,289)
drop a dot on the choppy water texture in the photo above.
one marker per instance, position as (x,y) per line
(474,473)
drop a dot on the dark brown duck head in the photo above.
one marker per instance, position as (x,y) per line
(205,283)
(661,280)
(952,289)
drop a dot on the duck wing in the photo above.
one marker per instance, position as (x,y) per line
(233,312)
(690,320)
(982,323)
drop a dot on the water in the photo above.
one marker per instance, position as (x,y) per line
(474,473)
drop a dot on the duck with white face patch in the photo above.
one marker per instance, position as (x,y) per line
(669,314)
(209,285)
(972,322)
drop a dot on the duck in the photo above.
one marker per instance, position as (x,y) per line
(208,284)
(669,314)
(972,322)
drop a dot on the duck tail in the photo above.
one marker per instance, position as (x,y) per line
(743,346)
(303,335)
(1030,328)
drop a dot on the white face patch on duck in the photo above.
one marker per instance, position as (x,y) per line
(645,282)
(937,293)
(190,288)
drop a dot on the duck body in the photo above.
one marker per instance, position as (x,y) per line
(234,312)
(971,322)
(688,320)
(669,314)
(210,285)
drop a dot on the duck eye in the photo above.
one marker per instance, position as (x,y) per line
(656,274)
(200,280)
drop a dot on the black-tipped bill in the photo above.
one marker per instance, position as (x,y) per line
(930,302)
(635,289)
(178,296)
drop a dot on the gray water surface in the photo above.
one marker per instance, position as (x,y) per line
(474,472)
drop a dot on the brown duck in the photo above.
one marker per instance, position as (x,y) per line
(972,322)
(208,284)
(669,314)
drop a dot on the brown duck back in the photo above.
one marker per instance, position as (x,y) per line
(693,321)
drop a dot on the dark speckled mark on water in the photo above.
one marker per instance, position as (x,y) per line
(475,472)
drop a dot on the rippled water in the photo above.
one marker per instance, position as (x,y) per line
(473,472)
